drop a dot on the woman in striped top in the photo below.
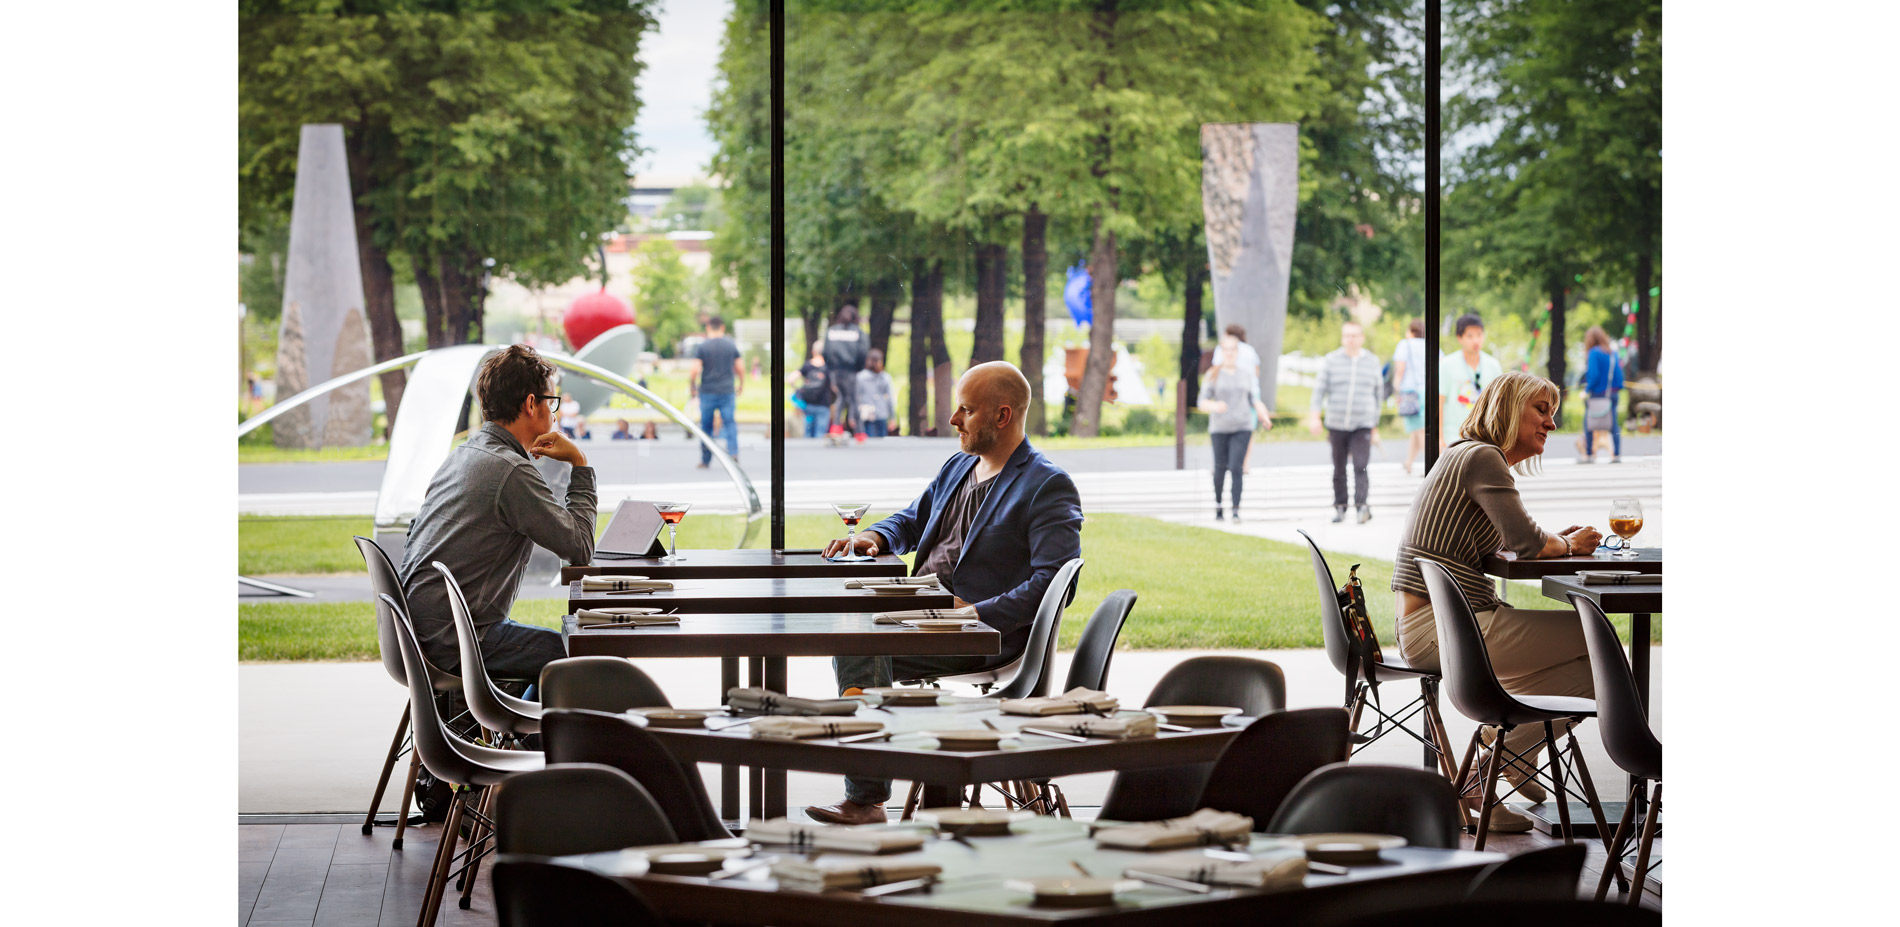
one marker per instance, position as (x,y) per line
(1467,508)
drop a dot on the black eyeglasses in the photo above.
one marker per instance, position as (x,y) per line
(555,402)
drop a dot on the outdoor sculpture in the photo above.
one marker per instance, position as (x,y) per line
(323,330)
(1250,179)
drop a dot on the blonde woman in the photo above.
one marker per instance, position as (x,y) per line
(1467,508)
(1230,397)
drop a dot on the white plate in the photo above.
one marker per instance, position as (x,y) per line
(673,717)
(690,859)
(898,697)
(1075,891)
(1348,848)
(971,822)
(896,589)
(938,624)
(967,740)
(1609,574)
(1192,715)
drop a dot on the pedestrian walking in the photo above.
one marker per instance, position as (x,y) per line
(1602,381)
(1408,375)
(1462,375)
(845,352)
(717,377)
(876,396)
(1346,402)
(1248,360)
(817,392)
(1231,398)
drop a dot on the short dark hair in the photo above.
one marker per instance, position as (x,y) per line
(1237,331)
(509,376)
(716,321)
(1416,329)
(847,315)
(874,355)
(1465,321)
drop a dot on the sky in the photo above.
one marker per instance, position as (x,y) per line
(676,87)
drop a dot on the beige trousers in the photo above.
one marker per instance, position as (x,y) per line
(1533,652)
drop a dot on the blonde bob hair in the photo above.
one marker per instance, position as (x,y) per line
(1499,410)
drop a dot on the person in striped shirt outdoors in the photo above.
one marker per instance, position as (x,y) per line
(1347,395)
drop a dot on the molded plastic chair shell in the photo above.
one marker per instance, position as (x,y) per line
(496,710)
(610,684)
(446,756)
(533,892)
(1338,635)
(1089,666)
(1541,913)
(1256,687)
(384,581)
(1469,680)
(1627,737)
(578,736)
(576,808)
(1027,676)
(1259,768)
(1548,874)
(1417,804)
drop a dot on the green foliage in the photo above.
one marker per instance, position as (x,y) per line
(695,207)
(265,252)
(665,299)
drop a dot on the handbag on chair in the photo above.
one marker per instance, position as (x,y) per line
(1352,603)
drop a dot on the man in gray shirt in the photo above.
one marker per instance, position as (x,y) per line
(1348,393)
(486,509)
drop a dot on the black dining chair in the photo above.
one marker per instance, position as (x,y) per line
(571,808)
(470,767)
(610,684)
(496,710)
(1096,647)
(1256,687)
(1545,874)
(1627,738)
(1541,913)
(1260,767)
(1355,661)
(1475,690)
(535,892)
(1405,801)
(617,740)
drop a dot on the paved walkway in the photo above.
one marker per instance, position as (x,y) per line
(311,736)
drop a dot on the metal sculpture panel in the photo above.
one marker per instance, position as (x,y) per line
(1250,180)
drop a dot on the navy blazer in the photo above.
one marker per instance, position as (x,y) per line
(1029,525)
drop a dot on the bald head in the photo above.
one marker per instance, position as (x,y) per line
(992,399)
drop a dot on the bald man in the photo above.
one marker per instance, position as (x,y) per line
(995,525)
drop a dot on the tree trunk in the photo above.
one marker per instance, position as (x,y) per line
(1103,261)
(1035,299)
(1196,279)
(941,382)
(992,261)
(379,282)
(433,302)
(1645,333)
(884,297)
(453,289)
(919,343)
(1555,366)
(814,320)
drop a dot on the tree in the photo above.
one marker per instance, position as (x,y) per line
(664,295)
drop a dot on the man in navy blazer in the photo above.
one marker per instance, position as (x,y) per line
(995,525)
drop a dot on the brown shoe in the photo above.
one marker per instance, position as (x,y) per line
(847,812)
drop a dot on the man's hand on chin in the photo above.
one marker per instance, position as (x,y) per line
(557,446)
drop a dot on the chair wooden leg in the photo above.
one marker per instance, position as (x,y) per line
(1591,801)
(1616,848)
(444,854)
(1642,849)
(1558,793)
(1062,802)
(1435,726)
(1489,793)
(408,796)
(480,834)
(1464,768)
(1358,705)
(389,765)
(910,801)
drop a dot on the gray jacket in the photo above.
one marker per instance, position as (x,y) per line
(485,510)
(1347,392)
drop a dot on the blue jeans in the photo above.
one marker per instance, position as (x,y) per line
(510,650)
(877,428)
(722,403)
(817,422)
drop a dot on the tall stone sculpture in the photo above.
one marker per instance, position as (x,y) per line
(1250,185)
(323,333)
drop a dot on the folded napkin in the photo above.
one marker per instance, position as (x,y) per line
(875,838)
(1074,701)
(1122,728)
(1270,869)
(1202,828)
(1640,579)
(621,583)
(928,579)
(627,617)
(765,701)
(967,613)
(847,872)
(806,728)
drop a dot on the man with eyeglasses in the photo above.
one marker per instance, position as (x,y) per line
(486,509)
(1462,375)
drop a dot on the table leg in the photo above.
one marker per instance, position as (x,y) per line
(755,676)
(1639,668)
(775,680)
(728,773)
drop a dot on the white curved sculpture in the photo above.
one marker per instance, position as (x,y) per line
(617,349)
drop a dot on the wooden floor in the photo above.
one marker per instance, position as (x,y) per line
(330,875)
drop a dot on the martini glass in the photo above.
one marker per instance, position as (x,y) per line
(673,513)
(851,512)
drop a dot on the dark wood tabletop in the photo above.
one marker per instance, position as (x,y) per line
(1632,599)
(1647,560)
(770,596)
(912,754)
(721,564)
(973,890)
(781,635)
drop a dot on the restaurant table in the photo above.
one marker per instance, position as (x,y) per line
(798,595)
(913,755)
(729,564)
(767,639)
(972,891)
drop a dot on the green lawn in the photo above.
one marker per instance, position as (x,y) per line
(1200,588)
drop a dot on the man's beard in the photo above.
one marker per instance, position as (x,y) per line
(979,440)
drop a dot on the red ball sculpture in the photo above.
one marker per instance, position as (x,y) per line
(592,314)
